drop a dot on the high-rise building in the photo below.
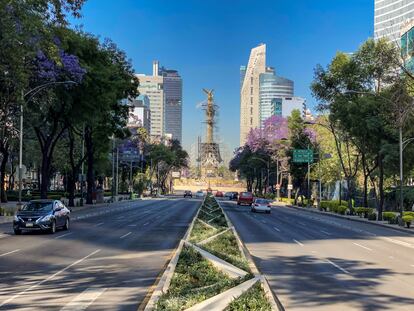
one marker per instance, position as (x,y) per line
(139,113)
(173,92)
(164,90)
(263,93)
(390,15)
(250,88)
(272,88)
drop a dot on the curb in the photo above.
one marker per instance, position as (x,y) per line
(162,283)
(271,296)
(352,219)
(222,300)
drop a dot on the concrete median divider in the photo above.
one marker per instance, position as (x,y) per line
(209,269)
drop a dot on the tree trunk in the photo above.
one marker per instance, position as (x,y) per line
(45,174)
(365,203)
(71,185)
(90,178)
(5,158)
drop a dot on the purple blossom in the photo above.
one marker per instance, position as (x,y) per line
(66,68)
(71,66)
(310,132)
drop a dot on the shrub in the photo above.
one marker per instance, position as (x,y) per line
(408,220)
(391,217)
(408,214)
(341,209)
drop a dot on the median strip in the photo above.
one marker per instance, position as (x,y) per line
(211,271)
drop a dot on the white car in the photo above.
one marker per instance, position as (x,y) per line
(199,194)
(261,205)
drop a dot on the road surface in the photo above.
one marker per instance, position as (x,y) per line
(317,262)
(108,259)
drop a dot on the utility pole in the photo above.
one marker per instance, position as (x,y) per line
(308,194)
(117,172)
(21,151)
(82,170)
(401,173)
(113,168)
(277,181)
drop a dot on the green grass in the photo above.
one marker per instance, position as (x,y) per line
(194,280)
(218,222)
(253,299)
(201,232)
(225,247)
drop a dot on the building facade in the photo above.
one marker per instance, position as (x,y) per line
(389,17)
(173,92)
(249,93)
(164,91)
(272,90)
(139,113)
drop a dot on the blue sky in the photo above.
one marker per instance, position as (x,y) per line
(207,41)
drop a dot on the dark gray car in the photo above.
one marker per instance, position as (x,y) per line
(45,215)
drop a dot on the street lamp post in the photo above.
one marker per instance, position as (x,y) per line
(32,93)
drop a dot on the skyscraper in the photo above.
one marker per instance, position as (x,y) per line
(390,15)
(173,92)
(263,93)
(164,90)
(249,93)
(272,87)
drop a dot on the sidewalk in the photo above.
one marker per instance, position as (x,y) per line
(383,224)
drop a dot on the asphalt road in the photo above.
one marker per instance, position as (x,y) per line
(108,259)
(317,262)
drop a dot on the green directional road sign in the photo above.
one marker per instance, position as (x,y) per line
(303,155)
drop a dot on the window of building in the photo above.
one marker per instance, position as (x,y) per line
(251,80)
(251,91)
(251,121)
(251,100)
(251,110)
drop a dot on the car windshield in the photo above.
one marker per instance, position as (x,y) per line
(261,201)
(246,194)
(38,206)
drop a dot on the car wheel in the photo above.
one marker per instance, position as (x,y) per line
(67,223)
(267,212)
(53,227)
(17,231)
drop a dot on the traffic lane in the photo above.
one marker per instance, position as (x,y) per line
(311,275)
(91,216)
(6,229)
(125,263)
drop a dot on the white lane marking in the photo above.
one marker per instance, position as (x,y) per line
(125,235)
(264,221)
(61,236)
(8,253)
(363,246)
(325,232)
(100,224)
(146,224)
(84,299)
(278,230)
(132,225)
(48,278)
(302,224)
(402,243)
(338,267)
(297,242)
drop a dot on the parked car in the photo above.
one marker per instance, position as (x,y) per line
(261,205)
(219,194)
(231,195)
(188,193)
(44,215)
(245,198)
(199,194)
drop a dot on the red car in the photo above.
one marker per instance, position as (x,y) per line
(245,198)
(219,194)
